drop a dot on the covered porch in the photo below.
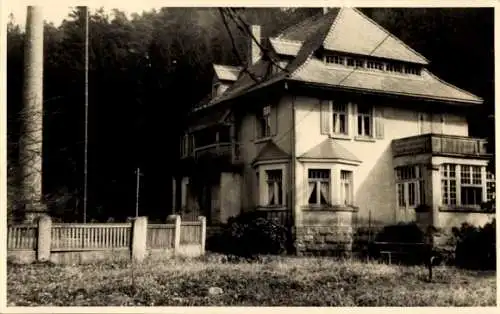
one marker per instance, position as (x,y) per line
(442,180)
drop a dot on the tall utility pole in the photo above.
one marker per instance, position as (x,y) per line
(85,162)
(31,137)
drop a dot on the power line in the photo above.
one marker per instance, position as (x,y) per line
(341,81)
(235,51)
(246,29)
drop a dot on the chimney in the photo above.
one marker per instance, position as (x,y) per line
(254,53)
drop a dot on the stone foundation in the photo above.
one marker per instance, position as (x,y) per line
(324,240)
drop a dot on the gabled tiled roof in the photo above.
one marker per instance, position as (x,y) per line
(346,30)
(271,151)
(353,32)
(329,149)
(260,71)
(426,85)
(227,72)
(303,30)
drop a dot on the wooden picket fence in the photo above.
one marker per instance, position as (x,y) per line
(79,237)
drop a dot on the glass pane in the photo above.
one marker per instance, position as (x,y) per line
(324,193)
(411,194)
(471,195)
(367,126)
(270,191)
(444,191)
(401,195)
(313,193)
(280,193)
(342,124)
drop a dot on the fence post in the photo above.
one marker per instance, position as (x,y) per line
(139,236)
(44,238)
(177,234)
(203,221)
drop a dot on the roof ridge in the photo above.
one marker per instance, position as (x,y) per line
(308,58)
(312,17)
(390,34)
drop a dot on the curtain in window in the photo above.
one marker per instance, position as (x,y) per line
(324,193)
(312,193)
(270,191)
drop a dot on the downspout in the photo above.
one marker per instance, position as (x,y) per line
(292,168)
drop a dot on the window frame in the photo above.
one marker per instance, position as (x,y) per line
(403,184)
(262,183)
(370,116)
(264,118)
(276,187)
(317,182)
(335,184)
(464,178)
(335,116)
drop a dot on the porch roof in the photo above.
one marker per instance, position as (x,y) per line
(330,149)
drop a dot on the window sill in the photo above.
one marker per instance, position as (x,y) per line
(263,139)
(330,208)
(364,139)
(466,209)
(272,208)
(343,137)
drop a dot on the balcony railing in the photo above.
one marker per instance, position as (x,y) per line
(228,151)
(440,144)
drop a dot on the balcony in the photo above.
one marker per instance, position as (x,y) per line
(440,144)
(225,152)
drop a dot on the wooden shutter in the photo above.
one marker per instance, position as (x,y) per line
(379,122)
(274,120)
(326,117)
(354,123)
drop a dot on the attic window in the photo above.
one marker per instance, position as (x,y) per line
(360,63)
(375,65)
(334,59)
(412,70)
(394,67)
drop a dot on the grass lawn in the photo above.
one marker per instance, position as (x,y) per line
(286,281)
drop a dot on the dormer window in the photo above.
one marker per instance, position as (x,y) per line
(334,59)
(394,67)
(375,65)
(215,90)
(371,64)
(412,70)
